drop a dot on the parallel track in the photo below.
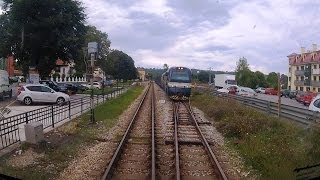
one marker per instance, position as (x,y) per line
(129,160)
(194,157)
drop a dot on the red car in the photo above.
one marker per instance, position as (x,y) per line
(308,97)
(232,90)
(271,91)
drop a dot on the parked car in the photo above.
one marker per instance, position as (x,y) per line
(5,87)
(271,91)
(299,96)
(96,85)
(315,104)
(260,90)
(223,90)
(292,94)
(53,85)
(232,89)
(308,97)
(285,93)
(70,88)
(108,83)
(32,93)
(81,87)
(245,91)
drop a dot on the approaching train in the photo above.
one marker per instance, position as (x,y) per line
(176,81)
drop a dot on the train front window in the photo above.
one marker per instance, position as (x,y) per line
(180,76)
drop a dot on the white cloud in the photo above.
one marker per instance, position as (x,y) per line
(264,32)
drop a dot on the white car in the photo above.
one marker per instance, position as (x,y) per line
(223,90)
(96,85)
(315,104)
(261,90)
(245,91)
(31,93)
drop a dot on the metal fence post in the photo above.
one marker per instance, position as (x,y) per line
(27,121)
(52,115)
(81,105)
(69,110)
(268,107)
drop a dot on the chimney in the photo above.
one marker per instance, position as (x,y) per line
(314,47)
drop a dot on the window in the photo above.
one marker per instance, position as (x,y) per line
(289,69)
(34,88)
(308,89)
(314,89)
(289,87)
(45,89)
(314,78)
(302,67)
(302,78)
(318,89)
(301,88)
(297,78)
(314,66)
(289,78)
(297,68)
(297,88)
(317,103)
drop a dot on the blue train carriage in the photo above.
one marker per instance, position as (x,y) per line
(176,82)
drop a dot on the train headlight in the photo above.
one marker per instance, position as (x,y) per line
(171,85)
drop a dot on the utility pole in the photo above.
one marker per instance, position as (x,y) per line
(279,95)
(92,50)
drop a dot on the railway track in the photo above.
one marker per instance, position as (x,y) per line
(142,153)
(194,158)
(134,158)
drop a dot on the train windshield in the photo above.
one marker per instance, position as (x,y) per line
(180,75)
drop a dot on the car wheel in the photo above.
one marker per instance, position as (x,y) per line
(60,100)
(27,101)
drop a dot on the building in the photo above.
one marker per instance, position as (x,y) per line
(304,70)
(142,74)
(64,69)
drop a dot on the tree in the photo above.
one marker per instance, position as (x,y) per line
(284,81)
(203,76)
(121,66)
(244,75)
(40,32)
(272,80)
(261,79)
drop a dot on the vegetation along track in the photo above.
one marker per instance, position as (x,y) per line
(194,158)
(134,158)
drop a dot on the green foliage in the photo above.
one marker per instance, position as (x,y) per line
(40,32)
(272,147)
(272,80)
(120,66)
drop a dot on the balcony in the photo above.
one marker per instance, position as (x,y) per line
(298,83)
(299,73)
(316,71)
(315,83)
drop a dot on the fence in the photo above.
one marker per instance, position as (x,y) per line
(49,116)
(300,115)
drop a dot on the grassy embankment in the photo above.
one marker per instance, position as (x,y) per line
(271,147)
(68,140)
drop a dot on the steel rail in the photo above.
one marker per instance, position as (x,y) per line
(213,158)
(176,142)
(109,171)
(153,148)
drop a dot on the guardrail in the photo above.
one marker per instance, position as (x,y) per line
(49,116)
(300,115)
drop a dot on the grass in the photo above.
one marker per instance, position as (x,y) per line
(76,135)
(273,148)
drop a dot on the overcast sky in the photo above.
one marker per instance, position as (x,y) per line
(208,33)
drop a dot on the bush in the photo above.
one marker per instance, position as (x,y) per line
(274,148)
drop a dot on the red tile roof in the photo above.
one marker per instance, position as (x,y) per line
(309,57)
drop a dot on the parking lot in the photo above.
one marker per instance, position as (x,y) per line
(286,101)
